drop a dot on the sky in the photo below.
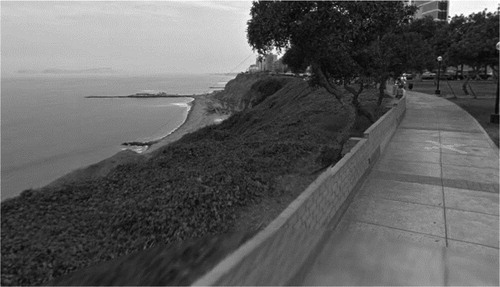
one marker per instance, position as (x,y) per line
(136,37)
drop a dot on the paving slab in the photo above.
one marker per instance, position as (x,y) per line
(424,146)
(402,154)
(463,135)
(403,191)
(414,138)
(430,125)
(414,132)
(467,127)
(389,233)
(360,260)
(471,249)
(396,214)
(466,142)
(471,200)
(469,160)
(474,151)
(472,227)
(415,135)
(361,257)
(416,168)
(473,174)
(469,270)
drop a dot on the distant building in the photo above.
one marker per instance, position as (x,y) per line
(253,68)
(264,63)
(269,60)
(437,9)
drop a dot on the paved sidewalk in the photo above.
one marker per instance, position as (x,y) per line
(427,213)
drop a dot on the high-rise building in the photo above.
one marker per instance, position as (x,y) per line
(437,9)
(266,62)
(269,60)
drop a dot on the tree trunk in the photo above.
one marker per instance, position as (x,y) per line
(381,90)
(472,92)
(360,110)
(323,81)
(344,134)
(464,85)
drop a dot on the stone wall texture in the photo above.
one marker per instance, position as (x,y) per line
(279,251)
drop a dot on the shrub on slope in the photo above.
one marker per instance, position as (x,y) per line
(194,187)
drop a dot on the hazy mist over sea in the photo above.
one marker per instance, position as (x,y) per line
(49,128)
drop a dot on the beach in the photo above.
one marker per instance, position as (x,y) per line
(197,118)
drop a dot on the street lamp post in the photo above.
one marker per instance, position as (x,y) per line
(494,117)
(439,59)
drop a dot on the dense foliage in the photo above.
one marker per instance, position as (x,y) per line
(191,188)
(365,41)
(334,38)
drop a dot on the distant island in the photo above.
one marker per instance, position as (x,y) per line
(146,95)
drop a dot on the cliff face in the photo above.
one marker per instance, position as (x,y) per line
(197,186)
(239,92)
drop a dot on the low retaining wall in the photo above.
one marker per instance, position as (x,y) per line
(278,252)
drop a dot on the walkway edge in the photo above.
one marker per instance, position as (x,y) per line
(488,138)
(275,254)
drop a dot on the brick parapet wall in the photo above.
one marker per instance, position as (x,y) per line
(278,252)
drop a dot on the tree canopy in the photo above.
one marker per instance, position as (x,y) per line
(473,39)
(343,41)
(329,36)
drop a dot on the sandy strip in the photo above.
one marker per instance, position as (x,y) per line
(196,119)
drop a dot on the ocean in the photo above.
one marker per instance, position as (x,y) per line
(49,128)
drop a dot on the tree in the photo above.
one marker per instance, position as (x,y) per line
(294,58)
(394,54)
(324,35)
(474,40)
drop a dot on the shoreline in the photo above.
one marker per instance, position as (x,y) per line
(196,119)
(138,146)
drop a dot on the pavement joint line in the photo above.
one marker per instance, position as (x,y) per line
(400,229)
(403,201)
(470,211)
(442,192)
(474,243)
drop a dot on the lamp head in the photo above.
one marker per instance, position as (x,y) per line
(440,59)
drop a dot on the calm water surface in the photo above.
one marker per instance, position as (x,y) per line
(49,128)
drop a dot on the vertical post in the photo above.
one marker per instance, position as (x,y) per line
(439,59)
(494,117)
(496,100)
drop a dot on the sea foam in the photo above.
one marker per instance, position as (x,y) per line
(141,145)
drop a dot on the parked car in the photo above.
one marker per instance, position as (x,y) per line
(428,76)
(489,75)
(447,76)
(408,76)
